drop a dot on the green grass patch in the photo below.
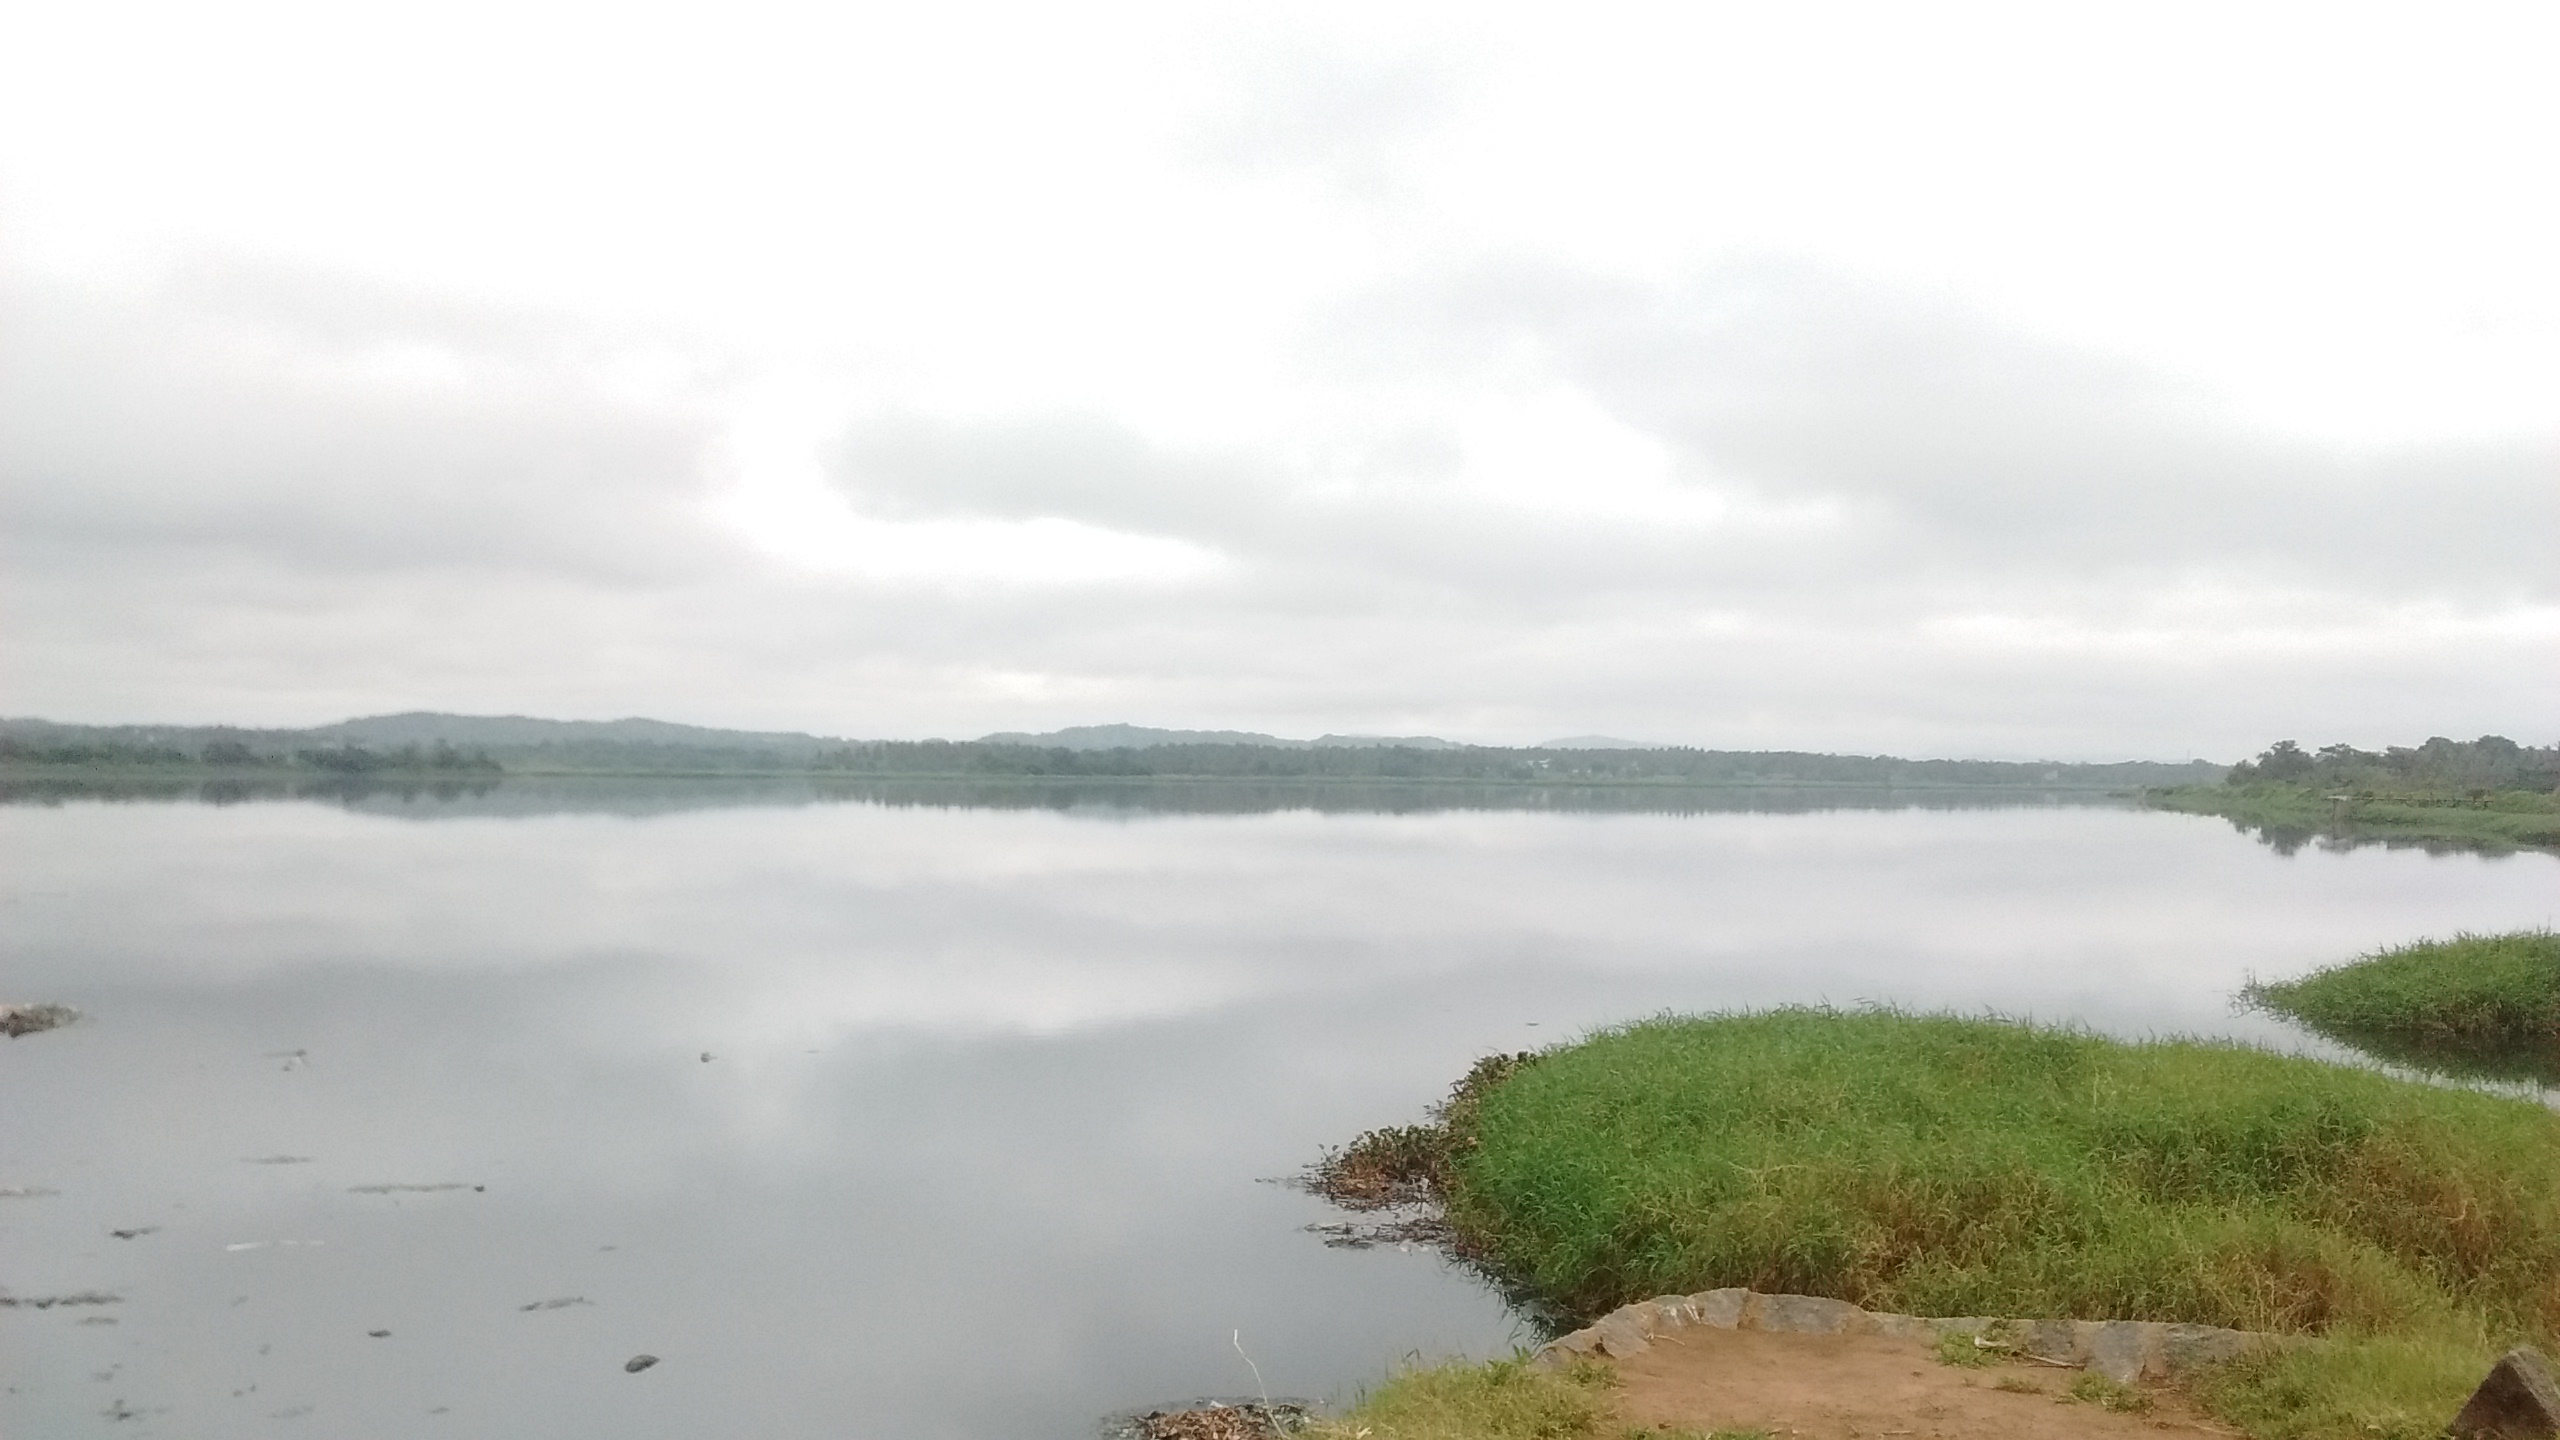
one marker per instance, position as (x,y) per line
(1961,1351)
(2092,1388)
(1944,1166)
(2496,990)
(2351,1387)
(1499,1400)
(2289,816)
(1504,1400)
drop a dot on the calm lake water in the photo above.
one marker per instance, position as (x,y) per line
(993,1091)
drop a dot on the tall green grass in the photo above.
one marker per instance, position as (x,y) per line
(1500,1400)
(2497,990)
(1947,1166)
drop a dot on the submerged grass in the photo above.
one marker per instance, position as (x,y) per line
(2496,990)
(1944,1166)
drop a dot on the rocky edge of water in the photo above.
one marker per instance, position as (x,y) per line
(2121,1350)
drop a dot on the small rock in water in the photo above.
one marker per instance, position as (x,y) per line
(379,1334)
(638,1363)
(17,1020)
(706,1057)
(135,1233)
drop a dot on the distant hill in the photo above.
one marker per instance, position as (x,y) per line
(1141,737)
(1132,737)
(425,727)
(422,742)
(1389,742)
(1600,742)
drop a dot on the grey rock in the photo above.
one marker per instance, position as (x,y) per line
(1563,1350)
(2056,1340)
(1673,1312)
(2192,1347)
(1902,1327)
(1620,1335)
(638,1363)
(2518,1401)
(1719,1308)
(1804,1315)
(2122,1350)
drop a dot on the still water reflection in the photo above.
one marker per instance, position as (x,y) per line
(991,1086)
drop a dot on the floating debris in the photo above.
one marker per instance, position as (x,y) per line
(1213,1420)
(378,1334)
(563,1303)
(413,1189)
(17,1020)
(47,1302)
(1405,1234)
(136,1233)
(638,1363)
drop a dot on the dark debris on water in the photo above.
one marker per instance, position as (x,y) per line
(17,1020)
(1213,1420)
(47,1302)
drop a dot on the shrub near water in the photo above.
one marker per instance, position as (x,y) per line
(1942,1166)
(2497,989)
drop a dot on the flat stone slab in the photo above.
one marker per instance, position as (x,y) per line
(2121,1350)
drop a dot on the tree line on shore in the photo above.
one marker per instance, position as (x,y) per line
(1004,759)
(2490,763)
(439,759)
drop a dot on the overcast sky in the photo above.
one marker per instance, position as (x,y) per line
(2029,381)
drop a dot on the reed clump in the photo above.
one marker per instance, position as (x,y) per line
(2493,990)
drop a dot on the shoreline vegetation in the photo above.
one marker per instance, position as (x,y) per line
(2474,1006)
(451,745)
(2489,793)
(1938,1165)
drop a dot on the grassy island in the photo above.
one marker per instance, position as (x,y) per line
(2485,1004)
(1942,1166)
(2489,793)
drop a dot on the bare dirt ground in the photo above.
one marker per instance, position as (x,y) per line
(1872,1387)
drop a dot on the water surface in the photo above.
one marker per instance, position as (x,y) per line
(993,1087)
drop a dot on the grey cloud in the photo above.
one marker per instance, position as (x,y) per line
(1994,450)
(255,428)
(1972,471)
(1376,529)
(207,519)
(1080,467)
